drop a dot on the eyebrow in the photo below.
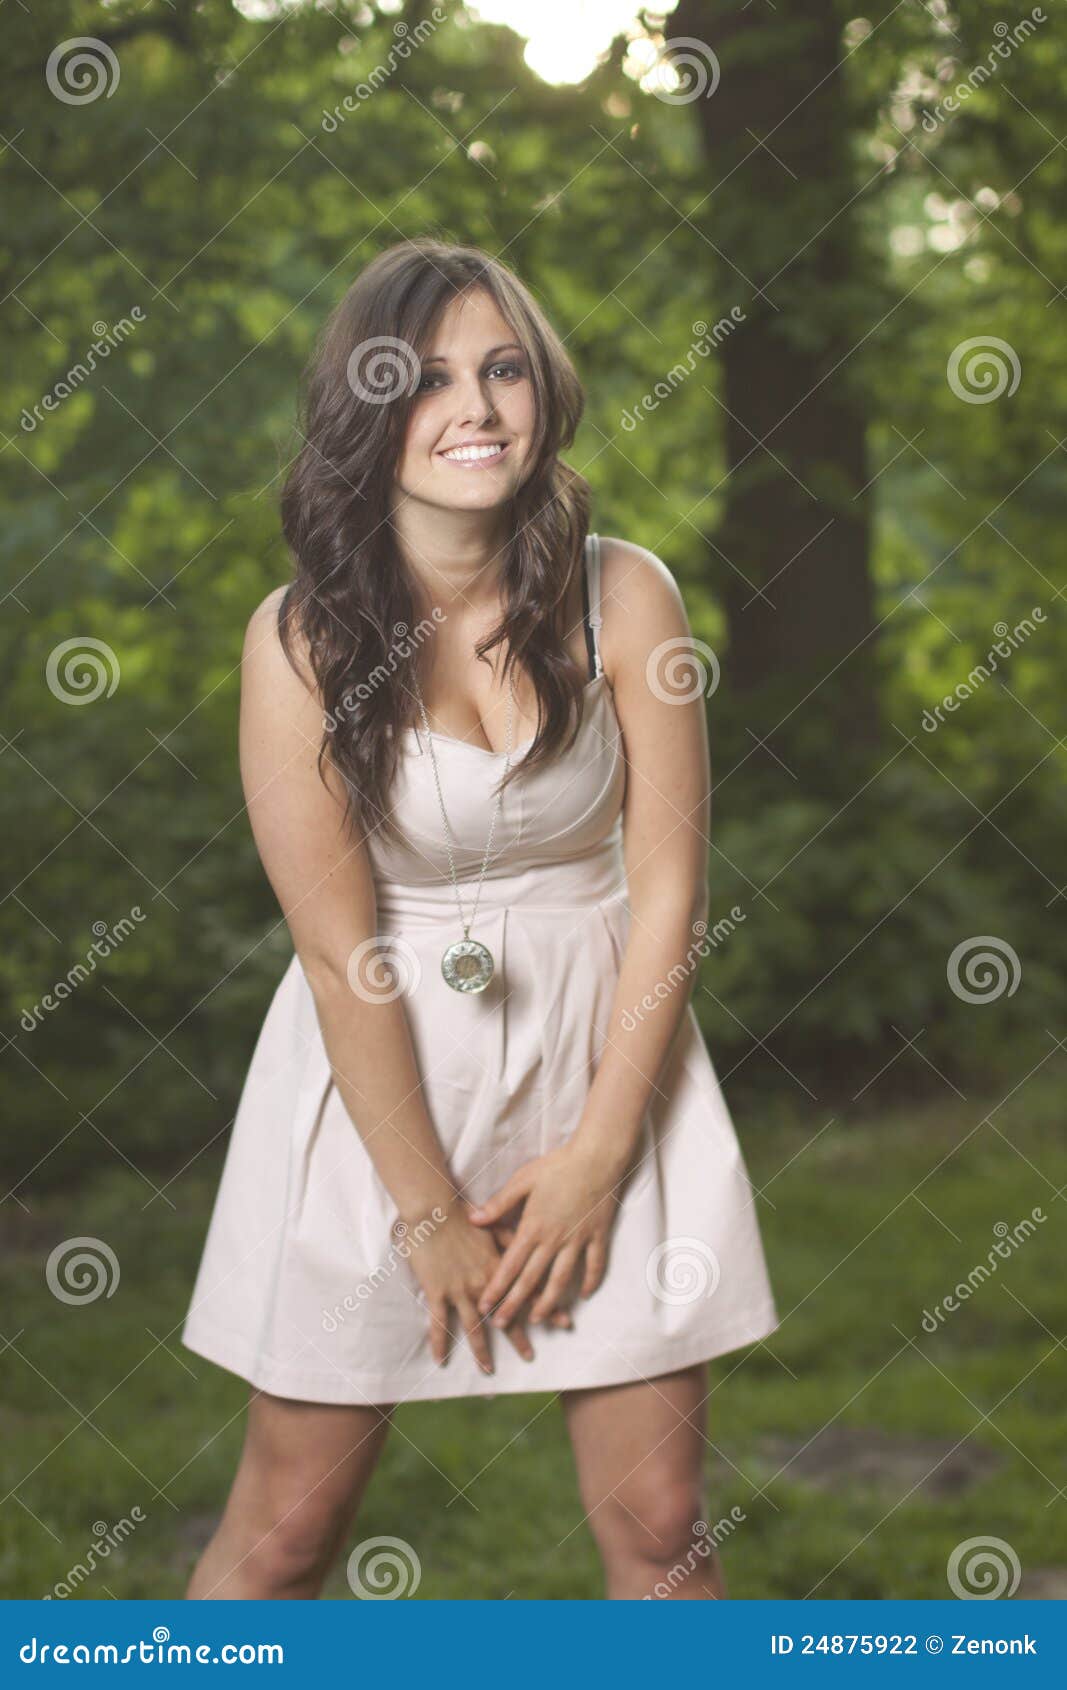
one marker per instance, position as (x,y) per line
(508,346)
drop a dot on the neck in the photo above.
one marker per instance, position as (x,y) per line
(457,557)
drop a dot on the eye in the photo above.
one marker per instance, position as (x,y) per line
(510,372)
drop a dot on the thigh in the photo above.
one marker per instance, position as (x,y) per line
(639,1450)
(304,1465)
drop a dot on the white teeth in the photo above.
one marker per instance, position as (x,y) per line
(469,454)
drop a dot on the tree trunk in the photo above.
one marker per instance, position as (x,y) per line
(792,555)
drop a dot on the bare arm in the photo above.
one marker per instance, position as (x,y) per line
(665,844)
(323,883)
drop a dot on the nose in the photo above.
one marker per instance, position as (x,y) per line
(475,400)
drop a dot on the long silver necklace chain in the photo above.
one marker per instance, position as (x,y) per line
(467,965)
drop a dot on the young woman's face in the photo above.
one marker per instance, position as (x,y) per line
(475,391)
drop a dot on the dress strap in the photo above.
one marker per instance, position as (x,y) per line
(591,603)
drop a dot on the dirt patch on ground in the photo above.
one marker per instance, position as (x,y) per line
(1043,1584)
(874,1460)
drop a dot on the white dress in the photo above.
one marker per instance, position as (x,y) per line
(305,1286)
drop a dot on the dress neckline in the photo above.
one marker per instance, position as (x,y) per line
(487,751)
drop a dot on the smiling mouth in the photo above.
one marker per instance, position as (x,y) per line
(475,457)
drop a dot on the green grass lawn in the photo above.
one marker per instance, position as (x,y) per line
(867,1223)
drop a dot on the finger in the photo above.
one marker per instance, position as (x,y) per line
(558,1280)
(483,1214)
(519,1338)
(560,1317)
(439,1332)
(596,1256)
(475,1330)
(527,1282)
(511,1262)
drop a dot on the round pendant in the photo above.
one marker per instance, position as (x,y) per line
(467,966)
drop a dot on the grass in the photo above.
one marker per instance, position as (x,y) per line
(866,1224)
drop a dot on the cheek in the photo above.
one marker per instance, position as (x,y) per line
(419,443)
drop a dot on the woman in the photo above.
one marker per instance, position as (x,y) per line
(480,1101)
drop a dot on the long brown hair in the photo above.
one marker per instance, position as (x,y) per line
(352,601)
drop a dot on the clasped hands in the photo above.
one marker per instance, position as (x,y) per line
(568,1208)
(485,1263)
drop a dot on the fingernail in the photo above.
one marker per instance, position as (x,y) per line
(500,1320)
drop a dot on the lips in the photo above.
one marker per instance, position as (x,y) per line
(483,458)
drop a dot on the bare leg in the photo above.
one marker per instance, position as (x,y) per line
(302,1474)
(639,1450)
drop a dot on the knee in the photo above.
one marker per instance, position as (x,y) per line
(293,1541)
(649,1521)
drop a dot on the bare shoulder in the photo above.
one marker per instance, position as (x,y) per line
(265,664)
(641,602)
